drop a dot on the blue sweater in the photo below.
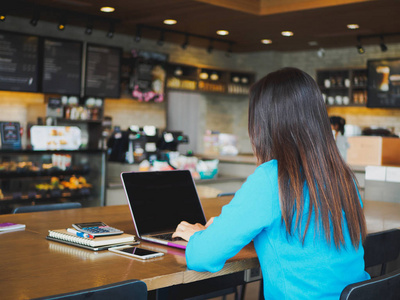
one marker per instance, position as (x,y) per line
(291,270)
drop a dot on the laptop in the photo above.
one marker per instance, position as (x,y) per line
(159,201)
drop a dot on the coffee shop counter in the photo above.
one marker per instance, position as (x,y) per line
(206,188)
(385,187)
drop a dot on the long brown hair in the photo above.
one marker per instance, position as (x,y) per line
(288,122)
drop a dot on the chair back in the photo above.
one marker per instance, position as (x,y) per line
(124,290)
(383,287)
(46,207)
(381,248)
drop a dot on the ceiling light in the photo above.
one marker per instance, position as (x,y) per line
(170,22)
(222,32)
(178,71)
(353,26)
(203,75)
(266,41)
(3,17)
(214,76)
(287,33)
(107,9)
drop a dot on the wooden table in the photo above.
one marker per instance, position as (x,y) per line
(32,266)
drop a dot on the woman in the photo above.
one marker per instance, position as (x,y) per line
(301,206)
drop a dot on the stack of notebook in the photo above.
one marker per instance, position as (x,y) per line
(98,243)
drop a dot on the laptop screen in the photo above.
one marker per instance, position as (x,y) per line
(160,200)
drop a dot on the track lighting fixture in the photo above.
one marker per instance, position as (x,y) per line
(160,41)
(229,51)
(138,35)
(360,48)
(89,27)
(210,47)
(382,45)
(186,42)
(35,19)
(186,35)
(110,33)
(62,24)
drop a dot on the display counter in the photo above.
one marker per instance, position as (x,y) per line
(30,177)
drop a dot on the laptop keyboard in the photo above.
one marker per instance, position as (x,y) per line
(167,237)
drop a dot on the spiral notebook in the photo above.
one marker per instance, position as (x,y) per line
(98,243)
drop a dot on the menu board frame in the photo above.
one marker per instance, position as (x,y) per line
(37,71)
(383,83)
(10,135)
(117,92)
(42,69)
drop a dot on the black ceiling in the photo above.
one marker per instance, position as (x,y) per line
(324,26)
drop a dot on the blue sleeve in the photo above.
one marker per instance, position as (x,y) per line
(249,212)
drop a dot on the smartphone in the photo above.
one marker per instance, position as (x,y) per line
(135,252)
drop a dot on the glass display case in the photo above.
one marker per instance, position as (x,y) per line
(39,177)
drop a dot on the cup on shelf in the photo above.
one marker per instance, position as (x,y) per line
(346,100)
(327,83)
(338,100)
(331,100)
(347,82)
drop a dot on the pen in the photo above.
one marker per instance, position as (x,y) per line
(81,234)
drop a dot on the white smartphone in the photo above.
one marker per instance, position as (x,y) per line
(135,252)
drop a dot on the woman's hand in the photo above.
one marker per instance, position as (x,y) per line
(185,230)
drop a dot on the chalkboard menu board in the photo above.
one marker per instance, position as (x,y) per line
(18,62)
(383,83)
(62,66)
(103,67)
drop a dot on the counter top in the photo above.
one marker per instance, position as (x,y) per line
(241,158)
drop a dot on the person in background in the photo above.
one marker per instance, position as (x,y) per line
(338,125)
(300,207)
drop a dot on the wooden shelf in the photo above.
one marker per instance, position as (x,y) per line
(210,80)
(336,84)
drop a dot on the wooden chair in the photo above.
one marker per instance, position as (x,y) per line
(46,207)
(382,287)
(124,290)
(381,248)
